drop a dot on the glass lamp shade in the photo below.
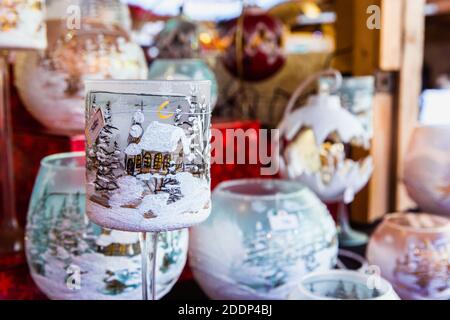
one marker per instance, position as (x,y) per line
(412,252)
(343,285)
(22,24)
(94,43)
(72,258)
(261,238)
(184,69)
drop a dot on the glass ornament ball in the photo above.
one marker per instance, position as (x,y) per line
(261,238)
(71,258)
(254,45)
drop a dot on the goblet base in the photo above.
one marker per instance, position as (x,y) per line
(129,220)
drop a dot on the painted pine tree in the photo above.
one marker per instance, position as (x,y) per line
(263,254)
(39,226)
(107,157)
(68,232)
(192,123)
(170,244)
(91,158)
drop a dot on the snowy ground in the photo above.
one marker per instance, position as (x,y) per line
(93,268)
(193,207)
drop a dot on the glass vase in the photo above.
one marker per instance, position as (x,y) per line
(87,39)
(412,252)
(267,235)
(72,258)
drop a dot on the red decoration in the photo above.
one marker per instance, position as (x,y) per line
(225,172)
(16,284)
(261,55)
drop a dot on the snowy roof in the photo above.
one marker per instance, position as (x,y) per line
(161,137)
(133,149)
(136,131)
(325,115)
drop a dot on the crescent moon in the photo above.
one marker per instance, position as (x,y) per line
(161,108)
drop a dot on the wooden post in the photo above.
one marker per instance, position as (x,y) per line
(397,51)
(372,51)
(409,89)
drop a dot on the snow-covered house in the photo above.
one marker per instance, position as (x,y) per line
(160,145)
(116,243)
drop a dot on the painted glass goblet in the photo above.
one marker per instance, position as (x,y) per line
(148,159)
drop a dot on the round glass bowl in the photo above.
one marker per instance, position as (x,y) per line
(343,285)
(72,258)
(94,45)
(413,253)
(427,169)
(261,238)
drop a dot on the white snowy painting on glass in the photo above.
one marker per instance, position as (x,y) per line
(72,258)
(148,152)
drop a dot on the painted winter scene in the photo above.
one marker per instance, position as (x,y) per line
(72,258)
(148,160)
(260,261)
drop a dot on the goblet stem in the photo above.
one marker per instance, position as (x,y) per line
(149,246)
(11,234)
(347,236)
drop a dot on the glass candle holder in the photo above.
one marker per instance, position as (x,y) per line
(87,39)
(148,149)
(413,253)
(343,285)
(149,154)
(266,235)
(72,258)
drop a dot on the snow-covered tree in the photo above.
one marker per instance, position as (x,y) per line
(68,231)
(340,291)
(262,252)
(170,243)
(108,156)
(171,186)
(39,226)
(193,124)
